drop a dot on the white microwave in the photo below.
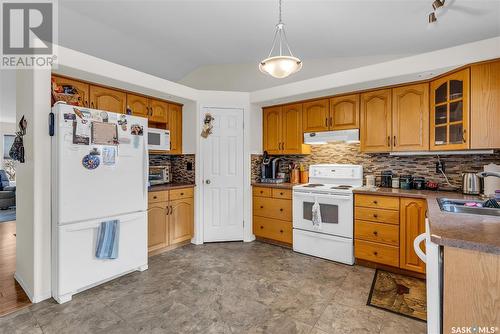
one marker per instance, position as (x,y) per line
(158,139)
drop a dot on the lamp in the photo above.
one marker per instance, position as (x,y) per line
(281,65)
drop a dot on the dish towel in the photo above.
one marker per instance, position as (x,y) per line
(316,215)
(108,236)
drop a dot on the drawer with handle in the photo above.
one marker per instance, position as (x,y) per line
(273,208)
(262,191)
(374,252)
(157,196)
(282,193)
(377,215)
(380,202)
(272,229)
(377,232)
(181,193)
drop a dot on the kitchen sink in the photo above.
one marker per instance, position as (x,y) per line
(459,206)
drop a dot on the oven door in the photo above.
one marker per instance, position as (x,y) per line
(158,139)
(336,213)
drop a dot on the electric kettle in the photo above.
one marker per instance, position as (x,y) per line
(471,183)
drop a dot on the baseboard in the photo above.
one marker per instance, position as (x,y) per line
(32,297)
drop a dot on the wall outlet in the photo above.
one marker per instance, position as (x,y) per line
(440,167)
(189,166)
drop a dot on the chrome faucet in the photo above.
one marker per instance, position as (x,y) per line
(486,174)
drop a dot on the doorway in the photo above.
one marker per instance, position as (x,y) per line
(223,174)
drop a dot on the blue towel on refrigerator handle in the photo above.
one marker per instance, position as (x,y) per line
(108,236)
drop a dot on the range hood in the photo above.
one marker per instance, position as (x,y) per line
(350,136)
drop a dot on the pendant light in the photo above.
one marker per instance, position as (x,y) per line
(280,66)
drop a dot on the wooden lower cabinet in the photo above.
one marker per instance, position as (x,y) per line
(411,224)
(385,228)
(471,290)
(170,219)
(157,226)
(181,220)
(272,214)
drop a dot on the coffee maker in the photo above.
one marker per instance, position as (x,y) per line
(269,168)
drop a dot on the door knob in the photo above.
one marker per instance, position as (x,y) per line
(208,181)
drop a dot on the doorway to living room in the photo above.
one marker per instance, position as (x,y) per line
(12,296)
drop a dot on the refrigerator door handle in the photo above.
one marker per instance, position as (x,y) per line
(416,246)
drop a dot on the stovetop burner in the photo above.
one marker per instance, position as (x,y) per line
(341,187)
(313,185)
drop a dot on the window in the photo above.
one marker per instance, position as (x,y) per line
(8,140)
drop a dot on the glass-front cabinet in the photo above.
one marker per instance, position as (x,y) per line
(449,128)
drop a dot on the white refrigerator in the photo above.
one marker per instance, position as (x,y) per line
(100,170)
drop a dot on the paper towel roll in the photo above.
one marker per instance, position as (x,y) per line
(491,183)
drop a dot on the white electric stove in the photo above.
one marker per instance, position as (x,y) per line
(331,187)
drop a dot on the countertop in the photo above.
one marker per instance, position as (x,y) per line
(170,186)
(274,185)
(461,230)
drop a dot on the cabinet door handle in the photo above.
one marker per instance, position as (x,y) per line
(375,253)
(375,232)
(281,209)
(375,202)
(281,231)
(326,122)
(86,103)
(261,191)
(154,197)
(394,143)
(182,194)
(261,227)
(262,206)
(171,209)
(375,215)
(281,194)
(464,137)
(92,105)
(388,141)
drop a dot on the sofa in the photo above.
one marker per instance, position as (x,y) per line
(7,192)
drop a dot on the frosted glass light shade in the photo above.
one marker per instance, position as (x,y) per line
(280,66)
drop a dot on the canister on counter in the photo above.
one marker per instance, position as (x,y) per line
(395,182)
(419,183)
(405,181)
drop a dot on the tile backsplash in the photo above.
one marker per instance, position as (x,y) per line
(178,164)
(425,166)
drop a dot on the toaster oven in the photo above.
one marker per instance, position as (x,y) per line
(159,175)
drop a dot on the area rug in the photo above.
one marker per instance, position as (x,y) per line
(7,215)
(399,294)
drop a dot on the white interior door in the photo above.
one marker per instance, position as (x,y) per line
(223,176)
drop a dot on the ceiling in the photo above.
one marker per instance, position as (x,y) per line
(175,40)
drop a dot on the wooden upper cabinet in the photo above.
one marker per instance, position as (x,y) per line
(272,126)
(291,133)
(159,111)
(375,122)
(315,115)
(344,112)
(485,106)
(181,220)
(175,127)
(107,99)
(138,104)
(410,118)
(412,223)
(81,87)
(449,124)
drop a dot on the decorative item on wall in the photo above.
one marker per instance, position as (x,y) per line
(17,150)
(437,6)
(207,125)
(280,66)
